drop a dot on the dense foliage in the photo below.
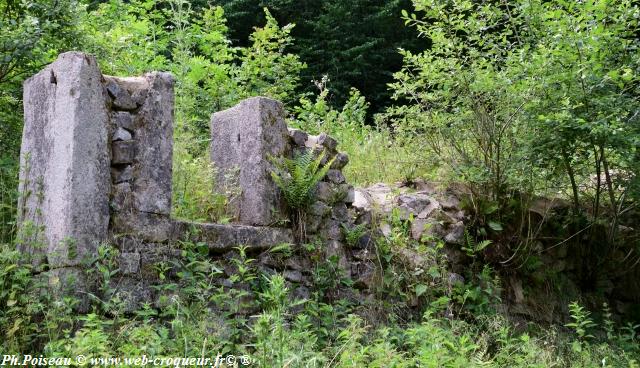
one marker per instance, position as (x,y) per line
(513,99)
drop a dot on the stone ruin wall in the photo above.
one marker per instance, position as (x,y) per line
(96,163)
(96,167)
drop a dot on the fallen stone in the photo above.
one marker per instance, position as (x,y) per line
(298,137)
(123,152)
(121,174)
(123,119)
(335,176)
(121,135)
(121,97)
(327,142)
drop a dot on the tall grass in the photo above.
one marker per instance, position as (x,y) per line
(194,197)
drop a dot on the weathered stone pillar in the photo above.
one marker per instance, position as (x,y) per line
(64,176)
(242,139)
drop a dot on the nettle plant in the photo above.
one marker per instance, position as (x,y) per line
(297,179)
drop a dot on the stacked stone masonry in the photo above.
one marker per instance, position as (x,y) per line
(328,217)
(97,168)
(96,163)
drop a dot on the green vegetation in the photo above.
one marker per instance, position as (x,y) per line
(298,177)
(309,334)
(512,100)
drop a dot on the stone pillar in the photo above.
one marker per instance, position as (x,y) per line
(242,139)
(64,176)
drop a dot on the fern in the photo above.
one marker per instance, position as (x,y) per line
(298,177)
(472,248)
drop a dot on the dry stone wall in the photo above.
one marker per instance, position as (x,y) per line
(96,163)
(97,167)
(328,218)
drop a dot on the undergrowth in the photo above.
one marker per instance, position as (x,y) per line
(198,318)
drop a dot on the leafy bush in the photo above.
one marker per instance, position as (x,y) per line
(507,105)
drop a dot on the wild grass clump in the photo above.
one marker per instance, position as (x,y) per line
(194,194)
(375,155)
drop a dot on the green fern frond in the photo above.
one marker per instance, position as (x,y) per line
(298,177)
